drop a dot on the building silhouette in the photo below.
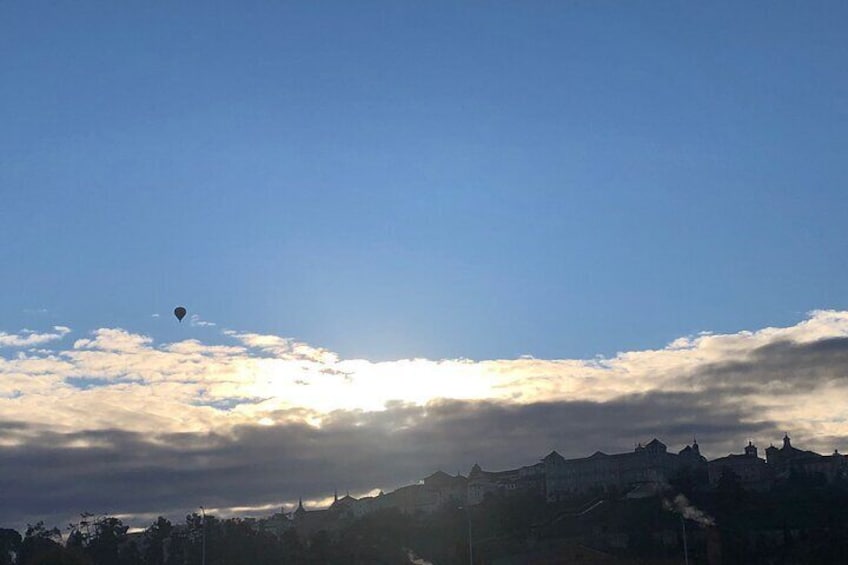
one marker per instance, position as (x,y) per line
(789,460)
(645,471)
(751,471)
(648,464)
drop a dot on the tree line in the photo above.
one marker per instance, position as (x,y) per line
(384,537)
(803,520)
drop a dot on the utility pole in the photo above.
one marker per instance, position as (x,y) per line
(203,536)
(470,543)
(685,549)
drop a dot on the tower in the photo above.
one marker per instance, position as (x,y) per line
(751,449)
(300,509)
(772,455)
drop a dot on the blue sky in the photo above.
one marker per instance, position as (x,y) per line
(373,211)
(390,179)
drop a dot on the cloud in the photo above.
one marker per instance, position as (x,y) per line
(775,372)
(36,311)
(114,340)
(254,465)
(196,321)
(232,423)
(29,338)
(284,348)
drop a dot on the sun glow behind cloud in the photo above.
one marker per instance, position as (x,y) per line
(115,379)
(253,421)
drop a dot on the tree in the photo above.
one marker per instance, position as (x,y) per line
(38,541)
(156,536)
(292,547)
(10,545)
(109,534)
(320,547)
(100,538)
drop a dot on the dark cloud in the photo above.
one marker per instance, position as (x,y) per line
(56,476)
(787,365)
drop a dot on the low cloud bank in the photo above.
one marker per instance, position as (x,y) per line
(115,422)
(56,475)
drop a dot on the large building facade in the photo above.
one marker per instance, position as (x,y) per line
(751,471)
(648,469)
(648,464)
(529,478)
(790,460)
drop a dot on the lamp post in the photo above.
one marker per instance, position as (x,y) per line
(203,536)
(470,543)
(668,506)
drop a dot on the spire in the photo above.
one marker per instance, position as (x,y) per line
(300,509)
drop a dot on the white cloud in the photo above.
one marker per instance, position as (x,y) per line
(284,347)
(118,379)
(196,321)
(29,338)
(115,340)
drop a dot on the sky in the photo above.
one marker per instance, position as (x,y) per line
(409,236)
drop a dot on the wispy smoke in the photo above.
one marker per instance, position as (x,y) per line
(682,506)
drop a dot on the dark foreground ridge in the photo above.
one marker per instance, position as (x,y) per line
(644,506)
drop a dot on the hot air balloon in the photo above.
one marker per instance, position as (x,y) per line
(180,313)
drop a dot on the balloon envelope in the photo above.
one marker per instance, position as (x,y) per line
(180,313)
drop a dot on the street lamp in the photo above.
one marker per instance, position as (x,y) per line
(470,543)
(671,508)
(203,536)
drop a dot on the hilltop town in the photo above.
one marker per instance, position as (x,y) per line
(648,470)
(648,505)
